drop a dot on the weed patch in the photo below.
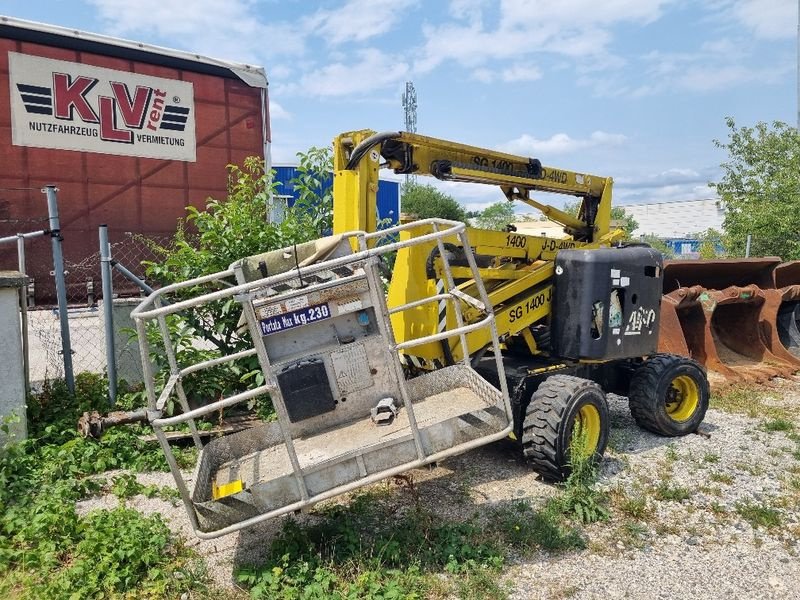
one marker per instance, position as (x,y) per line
(747,400)
(522,527)
(367,549)
(676,493)
(580,498)
(777,424)
(721,477)
(635,506)
(46,549)
(759,515)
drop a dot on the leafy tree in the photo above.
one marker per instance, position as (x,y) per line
(496,216)
(618,214)
(713,243)
(760,187)
(425,201)
(314,188)
(209,240)
(659,245)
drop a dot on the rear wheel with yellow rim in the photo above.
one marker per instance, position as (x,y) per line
(562,406)
(669,395)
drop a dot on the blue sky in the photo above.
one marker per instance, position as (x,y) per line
(633,89)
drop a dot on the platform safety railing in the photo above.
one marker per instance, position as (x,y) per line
(156,308)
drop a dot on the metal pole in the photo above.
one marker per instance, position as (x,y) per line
(23,307)
(747,248)
(798,66)
(108,316)
(131,277)
(61,284)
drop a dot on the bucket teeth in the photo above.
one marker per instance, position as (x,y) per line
(732,317)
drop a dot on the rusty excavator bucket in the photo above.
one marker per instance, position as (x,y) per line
(786,334)
(736,317)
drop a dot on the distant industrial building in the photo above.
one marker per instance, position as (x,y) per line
(678,219)
(677,223)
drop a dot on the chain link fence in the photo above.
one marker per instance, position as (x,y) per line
(85,312)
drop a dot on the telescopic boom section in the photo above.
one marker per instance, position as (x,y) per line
(358,156)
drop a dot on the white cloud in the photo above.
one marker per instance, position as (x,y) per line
(368,70)
(468,10)
(580,12)
(574,28)
(768,19)
(515,73)
(229,30)
(277,112)
(560,143)
(357,20)
(718,64)
(679,183)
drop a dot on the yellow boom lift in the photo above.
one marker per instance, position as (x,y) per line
(483,335)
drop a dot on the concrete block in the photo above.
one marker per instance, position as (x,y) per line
(12,373)
(126,344)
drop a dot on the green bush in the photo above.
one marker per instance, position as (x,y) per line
(46,549)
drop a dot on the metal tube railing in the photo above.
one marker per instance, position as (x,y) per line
(214,406)
(155,307)
(446,334)
(215,362)
(142,312)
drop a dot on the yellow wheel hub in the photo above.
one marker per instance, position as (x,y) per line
(587,421)
(683,398)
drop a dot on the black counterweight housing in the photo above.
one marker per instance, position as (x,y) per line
(607,303)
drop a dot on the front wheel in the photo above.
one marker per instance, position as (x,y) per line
(557,407)
(669,395)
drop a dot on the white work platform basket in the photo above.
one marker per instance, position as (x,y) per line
(347,411)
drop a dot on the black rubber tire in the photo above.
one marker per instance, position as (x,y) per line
(550,420)
(648,394)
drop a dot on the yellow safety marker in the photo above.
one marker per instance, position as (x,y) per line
(226,489)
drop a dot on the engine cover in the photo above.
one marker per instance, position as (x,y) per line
(607,303)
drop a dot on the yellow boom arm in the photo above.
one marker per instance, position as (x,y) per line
(519,268)
(359,154)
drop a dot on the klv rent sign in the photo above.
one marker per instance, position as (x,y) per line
(71,106)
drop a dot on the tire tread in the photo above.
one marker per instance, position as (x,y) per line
(544,414)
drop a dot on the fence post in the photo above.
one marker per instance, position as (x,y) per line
(61,284)
(108,313)
(23,307)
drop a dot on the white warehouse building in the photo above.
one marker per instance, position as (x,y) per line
(675,220)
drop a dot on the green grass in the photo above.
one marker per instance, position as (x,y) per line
(47,550)
(759,515)
(676,493)
(635,506)
(721,477)
(580,499)
(379,545)
(375,547)
(370,549)
(711,458)
(750,401)
(777,424)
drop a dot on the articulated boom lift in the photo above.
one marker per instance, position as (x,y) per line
(586,306)
(483,335)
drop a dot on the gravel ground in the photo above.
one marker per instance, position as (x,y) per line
(684,538)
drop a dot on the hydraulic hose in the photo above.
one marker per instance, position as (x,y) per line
(365,146)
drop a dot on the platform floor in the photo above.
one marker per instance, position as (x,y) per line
(273,462)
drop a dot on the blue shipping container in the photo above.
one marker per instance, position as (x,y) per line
(388,193)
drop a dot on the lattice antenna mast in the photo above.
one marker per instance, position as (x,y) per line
(410,109)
